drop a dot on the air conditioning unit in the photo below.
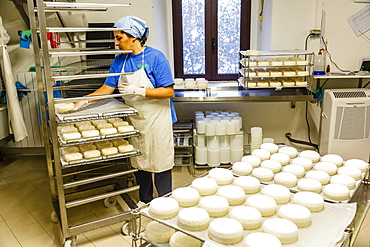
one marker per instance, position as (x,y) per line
(345,123)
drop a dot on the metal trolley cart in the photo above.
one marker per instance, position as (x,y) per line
(79,182)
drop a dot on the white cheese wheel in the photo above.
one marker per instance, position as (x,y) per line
(249,184)
(321,176)
(265,204)
(125,148)
(297,214)
(360,164)
(193,219)
(216,206)
(128,128)
(285,230)
(279,193)
(64,107)
(179,239)
(306,163)
(158,233)
(205,186)
(91,154)
(309,184)
(350,171)
(90,133)
(249,217)
(263,174)
(186,196)
(273,165)
(225,231)
(163,208)
(314,202)
(284,159)
(255,161)
(261,239)
(71,136)
(109,151)
(297,170)
(233,194)
(242,168)
(263,154)
(327,167)
(108,131)
(271,147)
(310,154)
(221,175)
(73,157)
(345,180)
(104,126)
(336,192)
(285,178)
(290,151)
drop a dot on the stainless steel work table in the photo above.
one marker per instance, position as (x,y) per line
(233,91)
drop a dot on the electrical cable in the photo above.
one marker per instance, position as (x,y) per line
(288,135)
(308,125)
(331,60)
(366,84)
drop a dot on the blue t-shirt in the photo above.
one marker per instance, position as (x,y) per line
(156,67)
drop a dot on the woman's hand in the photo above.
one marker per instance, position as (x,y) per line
(126,88)
(80,104)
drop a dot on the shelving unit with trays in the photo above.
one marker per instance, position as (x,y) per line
(276,70)
(77,183)
(183,143)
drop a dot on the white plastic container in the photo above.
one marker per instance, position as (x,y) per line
(213,157)
(236,154)
(224,155)
(213,142)
(201,155)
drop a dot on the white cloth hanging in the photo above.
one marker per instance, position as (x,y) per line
(17,126)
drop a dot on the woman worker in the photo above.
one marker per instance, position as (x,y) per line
(150,88)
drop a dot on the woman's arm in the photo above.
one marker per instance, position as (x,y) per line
(103,90)
(160,92)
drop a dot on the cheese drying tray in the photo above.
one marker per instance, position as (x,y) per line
(326,229)
(107,108)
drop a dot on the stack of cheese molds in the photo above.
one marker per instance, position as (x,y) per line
(218,138)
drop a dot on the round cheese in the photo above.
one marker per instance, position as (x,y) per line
(273,165)
(158,233)
(179,239)
(297,170)
(216,206)
(255,161)
(327,167)
(233,194)
(321,176)
(205,186)
(271,147)
(163,208)
(225,231)
(334,158)
(285,230)
(345,180)
(336,192)
(314,202)
(279,193)
(290,151)
(265,204)
(249,217)
(310,154)
(263,174)
(221,175)
(298,214)
(360,164)
(261,153)
(193,219)
(186,197)
(284,159)
(242,168)
(250,185)
(309,184)
(350,171)
(285,178)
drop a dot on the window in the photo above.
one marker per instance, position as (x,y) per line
(208,35)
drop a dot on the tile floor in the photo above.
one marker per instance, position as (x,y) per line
(25,209)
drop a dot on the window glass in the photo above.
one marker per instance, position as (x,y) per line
(193,36)
(228,36)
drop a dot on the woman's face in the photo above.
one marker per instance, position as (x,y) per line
(123,41)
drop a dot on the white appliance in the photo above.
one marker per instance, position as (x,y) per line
(345,123)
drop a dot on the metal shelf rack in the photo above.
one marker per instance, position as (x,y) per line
(78,183)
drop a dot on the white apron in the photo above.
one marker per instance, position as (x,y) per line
(154,122)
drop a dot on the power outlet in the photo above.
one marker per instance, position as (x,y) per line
(315,31)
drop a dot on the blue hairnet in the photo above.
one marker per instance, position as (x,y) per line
(137,26)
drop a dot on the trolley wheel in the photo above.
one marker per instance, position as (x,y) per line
(126,229)
(110,202)
(54,217)
(71,242)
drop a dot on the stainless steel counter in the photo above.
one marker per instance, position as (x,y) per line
(233,91)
